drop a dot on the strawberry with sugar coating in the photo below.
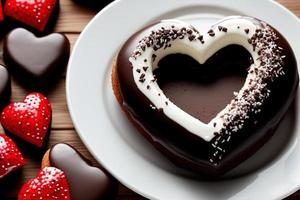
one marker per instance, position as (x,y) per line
(34,13)
(50,184)
(29,119)
(11,158)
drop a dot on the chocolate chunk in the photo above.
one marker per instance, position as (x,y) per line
(142,76)
(5,87)
(35,62)
(247,30)
(85,181)
(190,31)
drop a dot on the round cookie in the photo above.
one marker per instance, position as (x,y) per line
(40,66)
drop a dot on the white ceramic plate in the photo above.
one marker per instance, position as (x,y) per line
(116,144)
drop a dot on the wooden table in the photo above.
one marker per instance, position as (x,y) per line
(72,20)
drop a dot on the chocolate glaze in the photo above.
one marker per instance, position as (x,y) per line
(85,181)
(187,150)
(36,62)
(208,87)
(5,87)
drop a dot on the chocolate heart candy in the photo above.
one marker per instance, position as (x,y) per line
(203,90)
(36,62)
(5,87)
(85,181)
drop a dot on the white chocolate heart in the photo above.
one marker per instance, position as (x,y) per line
(174,36)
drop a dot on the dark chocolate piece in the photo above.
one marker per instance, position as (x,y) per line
(86,181)
(35,62)
(208,91)
(5,87)
(211,33)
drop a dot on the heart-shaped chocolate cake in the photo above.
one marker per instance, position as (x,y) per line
(209,146)
(37,62)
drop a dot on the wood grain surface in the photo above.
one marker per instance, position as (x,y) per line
(72,19)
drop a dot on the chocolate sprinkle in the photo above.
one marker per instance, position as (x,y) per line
(211,33)
(145,68)
(270,67)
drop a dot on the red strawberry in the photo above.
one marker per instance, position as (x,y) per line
(50,184)
(11,158)
(34,13)
(29,119)
(1,13)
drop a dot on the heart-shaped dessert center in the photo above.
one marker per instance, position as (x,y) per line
(35,61)
(175,37)
(203,90)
